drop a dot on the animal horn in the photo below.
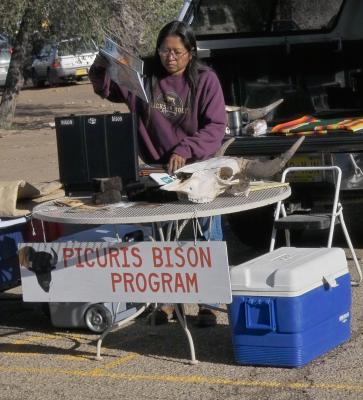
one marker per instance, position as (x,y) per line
(232,108)
(266,169)
(258,113)
(26,255)
(54,259)
(224,147)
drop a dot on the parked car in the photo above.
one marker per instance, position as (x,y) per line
(4,40)
(5,54)
(64,61)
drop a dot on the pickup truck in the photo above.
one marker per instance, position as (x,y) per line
(308,53)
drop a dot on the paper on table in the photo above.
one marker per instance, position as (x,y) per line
(260,185)
(162,178)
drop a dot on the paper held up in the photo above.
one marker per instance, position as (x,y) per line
(124,68)
(123,56)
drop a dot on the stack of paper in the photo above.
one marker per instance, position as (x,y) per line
(124,69)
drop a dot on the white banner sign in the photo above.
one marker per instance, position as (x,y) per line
(163,272)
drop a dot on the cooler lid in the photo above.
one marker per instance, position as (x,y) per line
(289,269)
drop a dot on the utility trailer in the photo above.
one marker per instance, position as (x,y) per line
(307,52)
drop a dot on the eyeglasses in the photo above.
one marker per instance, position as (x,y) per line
(176,53)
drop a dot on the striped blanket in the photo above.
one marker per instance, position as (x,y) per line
(308,125)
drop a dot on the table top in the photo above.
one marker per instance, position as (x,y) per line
(141,212)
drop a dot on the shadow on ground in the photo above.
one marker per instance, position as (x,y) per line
(161,342)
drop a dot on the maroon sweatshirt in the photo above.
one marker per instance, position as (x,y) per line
(170,127)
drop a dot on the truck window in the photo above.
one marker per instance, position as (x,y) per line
(264,16)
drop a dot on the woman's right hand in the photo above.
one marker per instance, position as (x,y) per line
(175,162)
(100,62)
(96,74)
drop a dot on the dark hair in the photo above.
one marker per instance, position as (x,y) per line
(186,34)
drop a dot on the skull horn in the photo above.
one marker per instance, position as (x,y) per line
(224,147)
(258,113)
(266,169)
(255,113)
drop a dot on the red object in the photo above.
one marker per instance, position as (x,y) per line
(56,63)
(33,231)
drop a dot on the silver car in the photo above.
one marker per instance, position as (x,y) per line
(5,54)
(64,61)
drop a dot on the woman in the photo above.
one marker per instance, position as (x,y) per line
(185,118)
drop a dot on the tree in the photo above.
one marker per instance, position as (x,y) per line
(55,19)
(134,24)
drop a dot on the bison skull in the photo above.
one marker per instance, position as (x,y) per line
(203,181)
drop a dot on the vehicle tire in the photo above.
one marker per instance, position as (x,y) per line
(50,79)
(37,82)
(97,318)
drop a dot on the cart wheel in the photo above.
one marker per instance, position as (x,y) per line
(37,81)
(98,318)
(50,79)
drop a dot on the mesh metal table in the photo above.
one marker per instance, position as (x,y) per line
(137,213)
(141,212)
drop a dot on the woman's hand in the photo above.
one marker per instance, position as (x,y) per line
(97,74)
(175,162)
(100,62)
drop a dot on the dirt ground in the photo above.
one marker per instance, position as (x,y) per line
(28,151)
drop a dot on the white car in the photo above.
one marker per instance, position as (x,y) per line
(64,61)
(5,54)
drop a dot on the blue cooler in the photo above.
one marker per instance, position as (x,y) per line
(290,306)
(9,239)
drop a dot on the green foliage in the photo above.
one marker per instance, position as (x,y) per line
(70,18)
(10,15)
(164,12)
(29,23)
(134,23)
(55,19)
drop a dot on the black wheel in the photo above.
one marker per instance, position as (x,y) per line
(37,82)
(97,318)
(51,79)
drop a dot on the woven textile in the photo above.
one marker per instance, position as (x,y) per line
(308,125)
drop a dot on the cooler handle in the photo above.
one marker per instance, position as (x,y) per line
(330,281)
(260,314)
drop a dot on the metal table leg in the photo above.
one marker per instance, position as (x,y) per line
(179,308)
(117,325)
(180,313)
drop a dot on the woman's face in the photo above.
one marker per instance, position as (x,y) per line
(173,55)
